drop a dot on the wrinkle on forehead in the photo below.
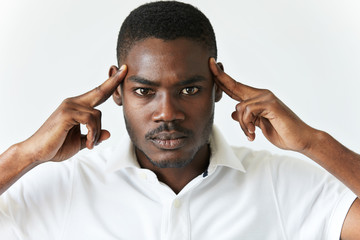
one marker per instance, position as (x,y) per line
(174,59)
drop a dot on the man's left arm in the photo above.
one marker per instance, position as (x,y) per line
(283,128)
(345,165)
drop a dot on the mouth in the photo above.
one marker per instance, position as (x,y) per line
(169,141)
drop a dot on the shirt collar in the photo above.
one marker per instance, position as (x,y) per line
(123,156)
(222,153)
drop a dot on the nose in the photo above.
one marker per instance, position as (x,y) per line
(167,109)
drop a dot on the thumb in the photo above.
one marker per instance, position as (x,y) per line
(104,135)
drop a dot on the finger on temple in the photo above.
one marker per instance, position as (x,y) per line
(101,93)
(234,89)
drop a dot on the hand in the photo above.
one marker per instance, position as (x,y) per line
(59,138)
(261,108)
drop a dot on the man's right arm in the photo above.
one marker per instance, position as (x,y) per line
(60,138)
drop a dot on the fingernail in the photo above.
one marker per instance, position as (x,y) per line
(217,66)
(249,139)
(214,61)
(122,67)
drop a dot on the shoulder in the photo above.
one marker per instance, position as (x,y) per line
(276,163)
(56,178)
(96,159)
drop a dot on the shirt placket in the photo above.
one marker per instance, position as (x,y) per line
(176,224)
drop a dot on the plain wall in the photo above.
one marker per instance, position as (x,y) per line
(307,52)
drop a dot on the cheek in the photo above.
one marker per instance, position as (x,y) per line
(200,114)
(205,105)
(135,115)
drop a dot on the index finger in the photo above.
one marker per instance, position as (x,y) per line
(231,87)
(101,93)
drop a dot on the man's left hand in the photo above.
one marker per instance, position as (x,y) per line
(261,108)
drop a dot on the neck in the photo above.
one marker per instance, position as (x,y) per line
(178,178)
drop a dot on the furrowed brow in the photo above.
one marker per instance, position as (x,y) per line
(192,80)
(141,80)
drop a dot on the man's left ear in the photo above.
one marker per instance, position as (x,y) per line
(218,91)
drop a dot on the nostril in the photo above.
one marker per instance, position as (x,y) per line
(168,113)
(167,108)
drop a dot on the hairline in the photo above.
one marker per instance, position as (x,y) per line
(130,46)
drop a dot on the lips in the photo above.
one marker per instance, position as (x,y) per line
(169,141)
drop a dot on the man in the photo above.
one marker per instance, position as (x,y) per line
(175,177)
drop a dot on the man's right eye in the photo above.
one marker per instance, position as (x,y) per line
(144,91)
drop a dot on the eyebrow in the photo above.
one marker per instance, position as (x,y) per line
(144,81)
(192,80)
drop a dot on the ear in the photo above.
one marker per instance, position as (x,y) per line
(117,93)
(218,91)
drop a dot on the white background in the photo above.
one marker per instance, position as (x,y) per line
(307,52)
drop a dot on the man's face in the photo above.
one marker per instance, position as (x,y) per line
(168,100)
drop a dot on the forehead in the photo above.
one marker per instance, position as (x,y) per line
(155,58)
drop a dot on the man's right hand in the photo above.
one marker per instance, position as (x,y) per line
(59,138)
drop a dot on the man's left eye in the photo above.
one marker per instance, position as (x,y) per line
(190,90)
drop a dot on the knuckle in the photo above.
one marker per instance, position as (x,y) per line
(88,117)
(268,94)
(241,106)
(66,102)
(79,113)
(63,111)
(248,109)
(273,102)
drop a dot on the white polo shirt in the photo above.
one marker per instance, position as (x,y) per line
(243,195)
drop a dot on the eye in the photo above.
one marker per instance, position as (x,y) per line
(189,90)
(144,91)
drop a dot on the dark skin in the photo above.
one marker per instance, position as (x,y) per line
(183,142)
(283,128)
(181,96)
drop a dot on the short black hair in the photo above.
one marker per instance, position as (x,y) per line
(167,20)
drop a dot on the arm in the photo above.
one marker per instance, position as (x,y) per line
(59,138)
(345,165)
(283,128)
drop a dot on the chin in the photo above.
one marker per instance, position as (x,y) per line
(169,160)
(170,164)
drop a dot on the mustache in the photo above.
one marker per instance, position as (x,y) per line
(167,127)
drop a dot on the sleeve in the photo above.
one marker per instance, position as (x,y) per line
(313,204)
(35,206)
